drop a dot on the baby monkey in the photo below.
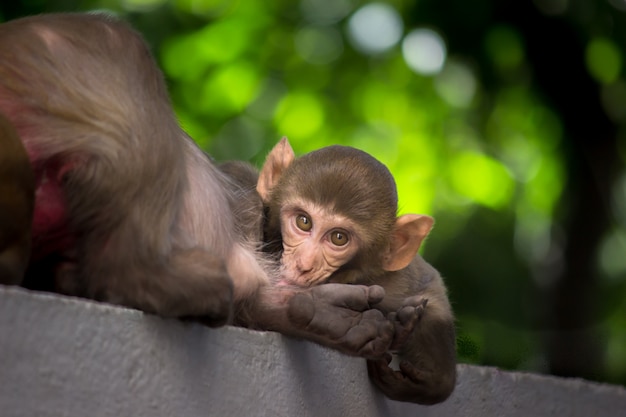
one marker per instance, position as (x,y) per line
(332,218)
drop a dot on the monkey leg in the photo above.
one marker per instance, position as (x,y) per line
(17,195)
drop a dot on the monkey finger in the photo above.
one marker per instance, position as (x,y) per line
(324,311)
(410,371)
(419,312)
(353,297)
(373,349)
(404,320)
(372,337)
(374,367)
(378,367)
(375,293)
(406,314)
(384,375)
(415,301)
(345,326)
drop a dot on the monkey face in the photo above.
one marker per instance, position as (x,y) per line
(316,242)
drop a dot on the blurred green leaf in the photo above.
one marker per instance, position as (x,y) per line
(604,60)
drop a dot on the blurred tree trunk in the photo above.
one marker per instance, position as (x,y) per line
(556,52)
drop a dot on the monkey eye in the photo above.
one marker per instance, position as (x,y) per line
(339,238)
(303,222)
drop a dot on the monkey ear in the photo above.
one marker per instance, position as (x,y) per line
(279,158)
(408,235)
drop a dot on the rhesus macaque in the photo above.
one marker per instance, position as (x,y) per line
(17,187)
(128,209)
(332,219)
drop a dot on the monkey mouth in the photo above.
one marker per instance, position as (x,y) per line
(292,276)
(302,280)
(288,282)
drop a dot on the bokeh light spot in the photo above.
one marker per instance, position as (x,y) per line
(325,12)
(614,100)
(319,45)
(481,179)
(230,89)
(142,5)
(611,257)
(552,7)
(424,51)
(299,115)
(504,47)
(187,56)
(456,84)
(203,7)
(239,139)
(375,28)
(604,61)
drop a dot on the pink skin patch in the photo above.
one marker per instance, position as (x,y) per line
(51,232)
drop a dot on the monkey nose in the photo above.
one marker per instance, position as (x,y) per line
(303,269)
(305,264)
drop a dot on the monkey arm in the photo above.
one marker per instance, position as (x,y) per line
(425,340)
(338,316)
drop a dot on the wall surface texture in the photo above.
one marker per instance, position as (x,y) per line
(67,357)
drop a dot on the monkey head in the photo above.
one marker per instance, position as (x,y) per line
(334,210)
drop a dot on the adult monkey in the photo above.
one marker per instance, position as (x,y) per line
(128,210)
(331,217)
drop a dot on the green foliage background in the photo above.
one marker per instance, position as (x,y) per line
(516,146)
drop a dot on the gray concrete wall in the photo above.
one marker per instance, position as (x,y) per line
(67,357)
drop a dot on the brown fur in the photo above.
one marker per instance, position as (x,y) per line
(71,86)
(129,210)
(350,182)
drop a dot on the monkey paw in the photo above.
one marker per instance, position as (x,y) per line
(339,316)
(405,319)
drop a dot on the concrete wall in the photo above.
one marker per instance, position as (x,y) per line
(68,357)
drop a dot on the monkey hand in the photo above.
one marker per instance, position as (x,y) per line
(405,319)
(339,316)
(426,369)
